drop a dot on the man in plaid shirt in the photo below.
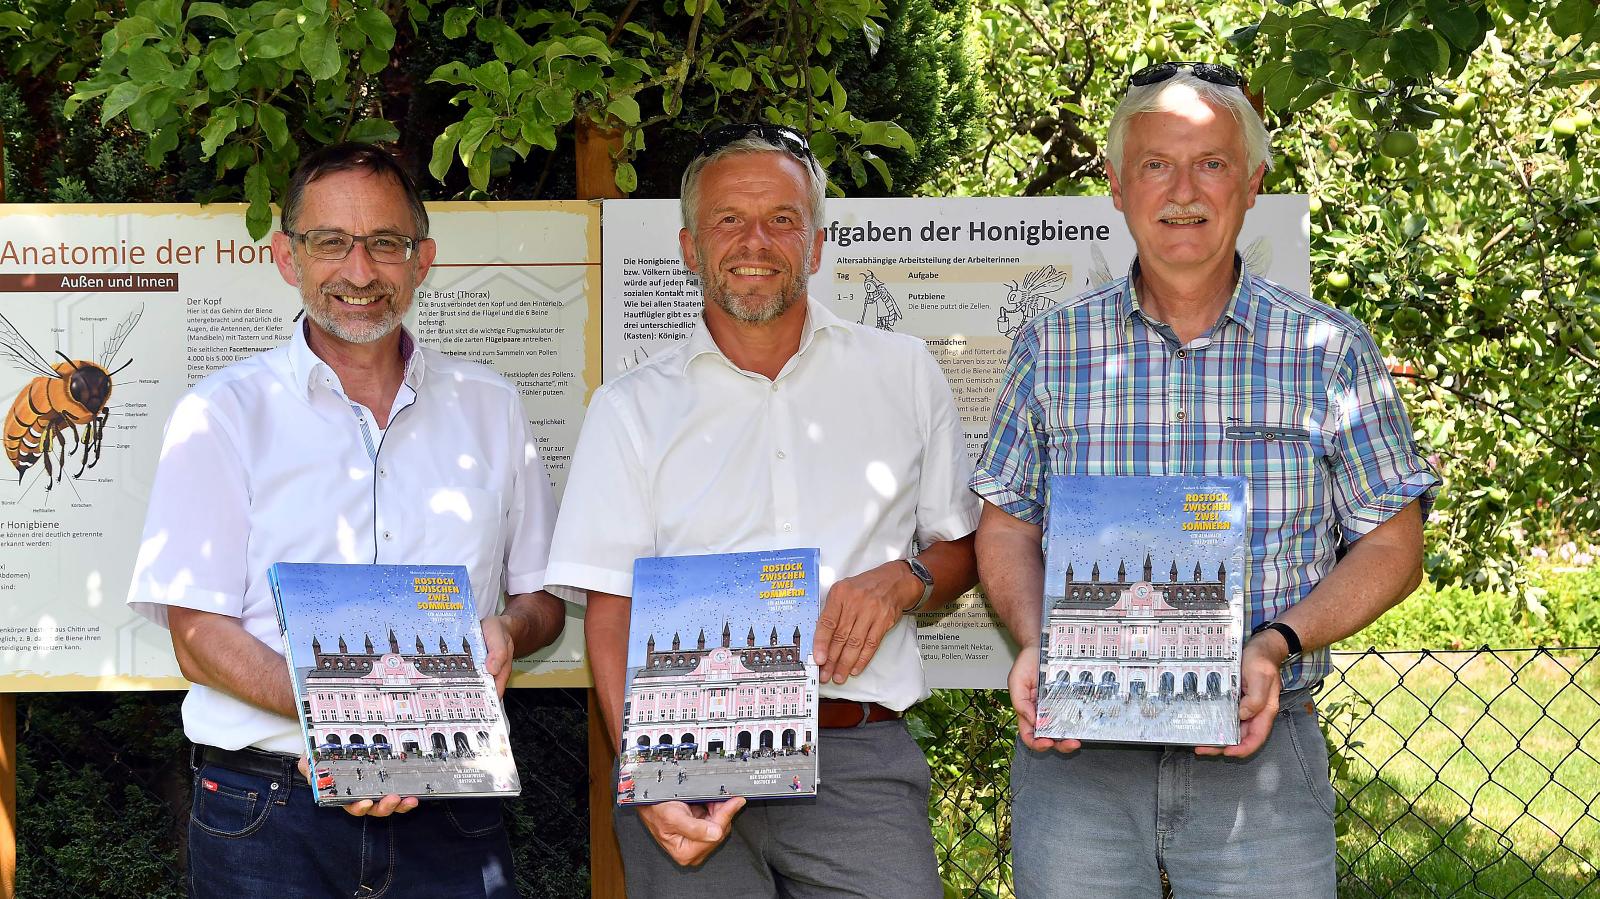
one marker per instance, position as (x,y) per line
(1193,365)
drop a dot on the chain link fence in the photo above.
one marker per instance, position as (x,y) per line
(1460,774)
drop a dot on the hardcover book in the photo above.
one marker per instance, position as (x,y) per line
(1143,609)
(389,679)
(722,685)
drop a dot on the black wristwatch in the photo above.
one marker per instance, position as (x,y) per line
(1289,637)
(926,577)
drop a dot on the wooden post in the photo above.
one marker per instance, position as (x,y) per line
(8,795)
(596,151)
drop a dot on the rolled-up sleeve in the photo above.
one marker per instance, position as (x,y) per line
(946,509)
(1010,473)
(1376,465)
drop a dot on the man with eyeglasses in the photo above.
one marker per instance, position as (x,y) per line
(1191,364)
(349,444)
(777,424)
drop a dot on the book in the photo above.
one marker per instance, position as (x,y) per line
(729,714)
(388,665)
(1143,619)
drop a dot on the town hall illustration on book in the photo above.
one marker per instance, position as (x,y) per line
(729,714)
(1143,610)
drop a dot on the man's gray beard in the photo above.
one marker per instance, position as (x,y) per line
(773,308)
(378,330)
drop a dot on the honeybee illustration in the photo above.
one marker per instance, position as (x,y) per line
(64,396)
(879,303)
(1028,299)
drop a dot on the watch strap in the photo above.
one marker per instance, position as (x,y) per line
(1290,638)
(926,577)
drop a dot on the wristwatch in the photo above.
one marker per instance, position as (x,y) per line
(926,577)
(1289,637)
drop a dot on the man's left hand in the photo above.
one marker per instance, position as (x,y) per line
(382,807)
(859,611)
(1259,669)
(497,644)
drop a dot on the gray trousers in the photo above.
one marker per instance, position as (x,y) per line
(1103,821)
(866,833)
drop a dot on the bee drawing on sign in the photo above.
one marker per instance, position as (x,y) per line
(879,304)
(61,399)
(1029,298)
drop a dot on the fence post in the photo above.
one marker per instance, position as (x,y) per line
(595,149)
(8,795)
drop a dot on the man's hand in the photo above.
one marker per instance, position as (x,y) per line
(859,611)
(497,644)
(1023,682)
(1261,682)
(377,808)
(690,832)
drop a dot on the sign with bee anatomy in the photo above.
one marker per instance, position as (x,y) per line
(109,313)
(964,274)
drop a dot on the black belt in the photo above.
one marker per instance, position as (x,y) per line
(250,760)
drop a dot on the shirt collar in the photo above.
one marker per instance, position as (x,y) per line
(818,318)
(1242,308)
(305,366)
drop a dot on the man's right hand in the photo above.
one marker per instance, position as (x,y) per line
(1023,683)
(690,832)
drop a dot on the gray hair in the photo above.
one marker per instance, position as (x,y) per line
(1152,98)
(689,192)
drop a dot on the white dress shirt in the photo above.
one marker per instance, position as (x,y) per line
(268,461)
(856,449)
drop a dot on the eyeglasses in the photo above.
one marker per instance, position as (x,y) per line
(1205,71)
(782,135)
(329,244)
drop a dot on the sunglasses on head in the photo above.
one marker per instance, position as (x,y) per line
(1205,71)
(782,135)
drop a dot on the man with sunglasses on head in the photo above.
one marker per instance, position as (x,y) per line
(349,444)
(1192,364)
(777,424)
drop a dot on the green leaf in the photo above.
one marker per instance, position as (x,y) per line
(1516,10)
(374,60)
(627,179)
(1567,79)
(375,24)
(222,123)
(493,77)
(274,124)
(79,97)
(164,142)
(273,43)
(478,170)
(556,103)
(584,77)
(882,168)
(132,30)
(212,10)
(370,131)
(453,72)
(626,109)
(319,54)
(223,53)
(146,64)
(588,47)
(474,129)
(1457,23)
(258,190)
(740,79)
(1416,52)
(1570,17)
(1310,63)
(539,133)
(456,20)
(873,32)
(12,19)
(122,96)
(444,147)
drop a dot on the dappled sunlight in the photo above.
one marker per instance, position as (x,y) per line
(93,589)
(1319,334)
(191,417)
(814,432)
(450,502)
(882,479)
(1114,367)
(346,536)
(468,463)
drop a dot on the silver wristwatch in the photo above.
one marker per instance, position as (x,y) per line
(926,577)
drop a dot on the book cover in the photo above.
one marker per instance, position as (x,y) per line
(1143,609)
(389,678)
(722,686)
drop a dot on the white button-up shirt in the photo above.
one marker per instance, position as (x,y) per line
(856,449)
(268,461)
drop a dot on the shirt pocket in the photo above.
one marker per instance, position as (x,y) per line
(464,527)
(1282,463)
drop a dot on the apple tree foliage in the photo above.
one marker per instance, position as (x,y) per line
(1450,154)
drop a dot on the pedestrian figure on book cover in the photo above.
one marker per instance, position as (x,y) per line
(777,425)
(1216,371)
(348,444)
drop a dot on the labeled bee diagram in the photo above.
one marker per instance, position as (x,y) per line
(46,417)
(878,304)
(1029,298)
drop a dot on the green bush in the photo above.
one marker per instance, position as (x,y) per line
(1559,608)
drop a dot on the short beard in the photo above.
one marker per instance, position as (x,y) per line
(318,306)
(716,290)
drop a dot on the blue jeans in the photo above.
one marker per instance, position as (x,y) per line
(254,837)
(1103,822)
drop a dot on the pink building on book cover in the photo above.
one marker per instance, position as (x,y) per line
(721,700)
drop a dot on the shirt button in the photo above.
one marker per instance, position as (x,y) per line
(774,386)
(782,454)
(388,535)
(787,526)
(1183,354)
(383,472)
(1180,416)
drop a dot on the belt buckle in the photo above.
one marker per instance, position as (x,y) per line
(866,713)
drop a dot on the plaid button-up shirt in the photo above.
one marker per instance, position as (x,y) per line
(1287,392)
